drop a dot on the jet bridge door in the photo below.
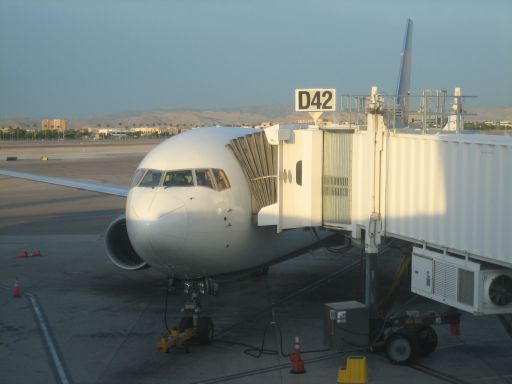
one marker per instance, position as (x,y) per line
(337,178)
(300,180)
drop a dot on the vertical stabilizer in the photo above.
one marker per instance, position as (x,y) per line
(403,89)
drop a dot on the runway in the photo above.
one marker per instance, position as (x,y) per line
(105,322)
(75,149)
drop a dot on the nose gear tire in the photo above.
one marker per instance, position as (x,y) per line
(205,330)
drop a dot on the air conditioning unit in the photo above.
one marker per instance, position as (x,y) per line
(461,283)
(497,291)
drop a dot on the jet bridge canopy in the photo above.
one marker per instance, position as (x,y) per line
(259,162)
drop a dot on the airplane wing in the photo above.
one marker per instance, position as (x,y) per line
(115,190)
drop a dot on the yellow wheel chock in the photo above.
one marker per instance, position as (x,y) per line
(175,339)
(356,371)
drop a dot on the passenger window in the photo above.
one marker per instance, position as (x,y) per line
(204,178)
(221,179)
(151,178)
(137,177)
(181,178)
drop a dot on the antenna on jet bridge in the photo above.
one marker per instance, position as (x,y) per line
(403,89)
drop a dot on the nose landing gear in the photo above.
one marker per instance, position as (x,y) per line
(203,326)
(193,326)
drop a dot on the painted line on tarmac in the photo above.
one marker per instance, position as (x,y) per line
(55,356)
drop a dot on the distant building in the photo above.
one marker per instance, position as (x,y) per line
(58,124)
(115,133)
(151,131)
(148,130)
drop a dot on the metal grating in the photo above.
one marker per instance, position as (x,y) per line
(259,162)
(466,289)
(337,178)
(445,280)
(439,278)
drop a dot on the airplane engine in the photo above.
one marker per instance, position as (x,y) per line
(120,249)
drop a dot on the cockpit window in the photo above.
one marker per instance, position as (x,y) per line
(151,178)
(221,179)
(137,177)
(204,178)
(181,178)
(210,178)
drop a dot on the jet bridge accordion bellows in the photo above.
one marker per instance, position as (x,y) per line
(259,162)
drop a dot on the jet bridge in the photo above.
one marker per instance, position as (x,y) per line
(448,193)
(259,162)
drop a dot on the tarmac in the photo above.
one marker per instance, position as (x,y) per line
(80,319)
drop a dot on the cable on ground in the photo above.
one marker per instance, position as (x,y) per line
(167,287)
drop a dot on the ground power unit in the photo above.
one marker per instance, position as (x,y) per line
(346,325)
(460,283)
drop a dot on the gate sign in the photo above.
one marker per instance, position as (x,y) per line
(315,100)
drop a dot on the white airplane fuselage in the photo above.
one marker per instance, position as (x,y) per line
(196,231)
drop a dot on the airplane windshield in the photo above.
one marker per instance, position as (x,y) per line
(214,179)
(151,178)
(204,178)
(137,177)
(221,179)
(181,178)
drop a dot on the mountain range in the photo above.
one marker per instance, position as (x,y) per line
(239,116)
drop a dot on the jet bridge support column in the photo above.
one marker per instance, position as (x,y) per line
(371,252)
(374,226)
(371,283)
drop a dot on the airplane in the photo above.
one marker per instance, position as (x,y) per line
(189,213)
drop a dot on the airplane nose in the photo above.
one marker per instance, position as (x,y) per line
(172,223)
(148,204)
(156,228)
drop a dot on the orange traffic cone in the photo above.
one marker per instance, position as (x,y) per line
(36,253)
(296,360)
(16,291)
(21,255)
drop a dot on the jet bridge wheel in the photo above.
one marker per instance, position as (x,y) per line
(402,347)
(205,330)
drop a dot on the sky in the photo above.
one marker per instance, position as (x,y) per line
(83,58)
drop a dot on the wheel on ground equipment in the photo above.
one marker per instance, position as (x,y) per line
(205,330)
(186,323)
(427,340)
(402,346)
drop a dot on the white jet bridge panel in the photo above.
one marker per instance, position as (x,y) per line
(360,203)
(450,191)
(300,180)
